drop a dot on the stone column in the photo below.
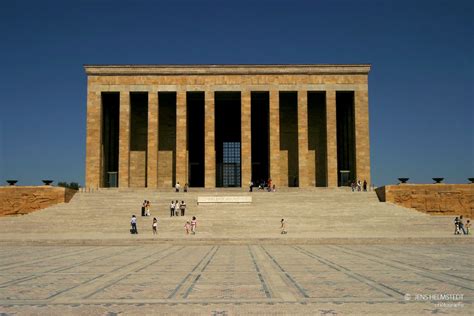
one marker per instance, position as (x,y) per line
(152,146)
(181,139)
(331,132)
(93,140)
(274,120)
(246,145)
(124,140)
(209,141)
(303,152)
(362,136)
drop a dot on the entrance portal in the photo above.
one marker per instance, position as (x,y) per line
(227,138)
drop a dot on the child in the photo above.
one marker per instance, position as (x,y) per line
(193,225)
(187,226)
(283,226)
(155,226)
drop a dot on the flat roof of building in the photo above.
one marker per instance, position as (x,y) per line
(226,69)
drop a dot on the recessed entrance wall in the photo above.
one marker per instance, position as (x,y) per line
(110,138)
(227,138)
(195,138)
(166,139)
(260,102)
(317,137)
(345,135)
(289,138)
(138,138)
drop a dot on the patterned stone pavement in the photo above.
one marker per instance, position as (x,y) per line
(237,279)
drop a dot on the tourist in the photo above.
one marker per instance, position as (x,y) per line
(172,209)
(468,227)
(182,207)
(187,227)
(269,185)
(176,208)
(186,187)
(143,207)
(365,186)
(133,223)
(193,225)
(147,208)
(461,225)
(155,226)
(358,186)
(283,226)
(353,186)
(250,186)
(456,226)
(274,188)
(177,186)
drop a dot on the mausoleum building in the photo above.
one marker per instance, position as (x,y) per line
(225,125)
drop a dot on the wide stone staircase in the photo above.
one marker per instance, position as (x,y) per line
(313,215)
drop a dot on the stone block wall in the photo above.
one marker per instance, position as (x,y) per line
(165,169)
(137,169)
(19,200)
(434,199)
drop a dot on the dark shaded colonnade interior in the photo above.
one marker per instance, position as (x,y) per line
(195,137)
(110,138)
(260,141)
(138,138)
(289,136)
(228,138)
(345,136)
(227,123)
(317,135)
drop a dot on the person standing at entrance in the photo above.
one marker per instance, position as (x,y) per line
(177,186)
(365,186)
(250,186)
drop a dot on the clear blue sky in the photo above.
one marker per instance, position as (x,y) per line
(420,87)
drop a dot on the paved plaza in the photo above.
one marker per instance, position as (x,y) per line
(237,279)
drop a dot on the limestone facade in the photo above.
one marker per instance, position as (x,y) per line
(160,164)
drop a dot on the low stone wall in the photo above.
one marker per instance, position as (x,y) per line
(18,200)
(435,199)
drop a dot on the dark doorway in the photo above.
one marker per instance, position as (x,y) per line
(317,134)
(195,119)
(227,138)
(110,138)
(289,133)
(345,135)
(166,138)
(260,102)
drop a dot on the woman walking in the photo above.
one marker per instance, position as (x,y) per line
(155,226)
(193,225)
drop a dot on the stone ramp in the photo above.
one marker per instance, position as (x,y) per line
(311,215)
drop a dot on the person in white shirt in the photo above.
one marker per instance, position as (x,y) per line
(172,209)
(133,223)
(177,186)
